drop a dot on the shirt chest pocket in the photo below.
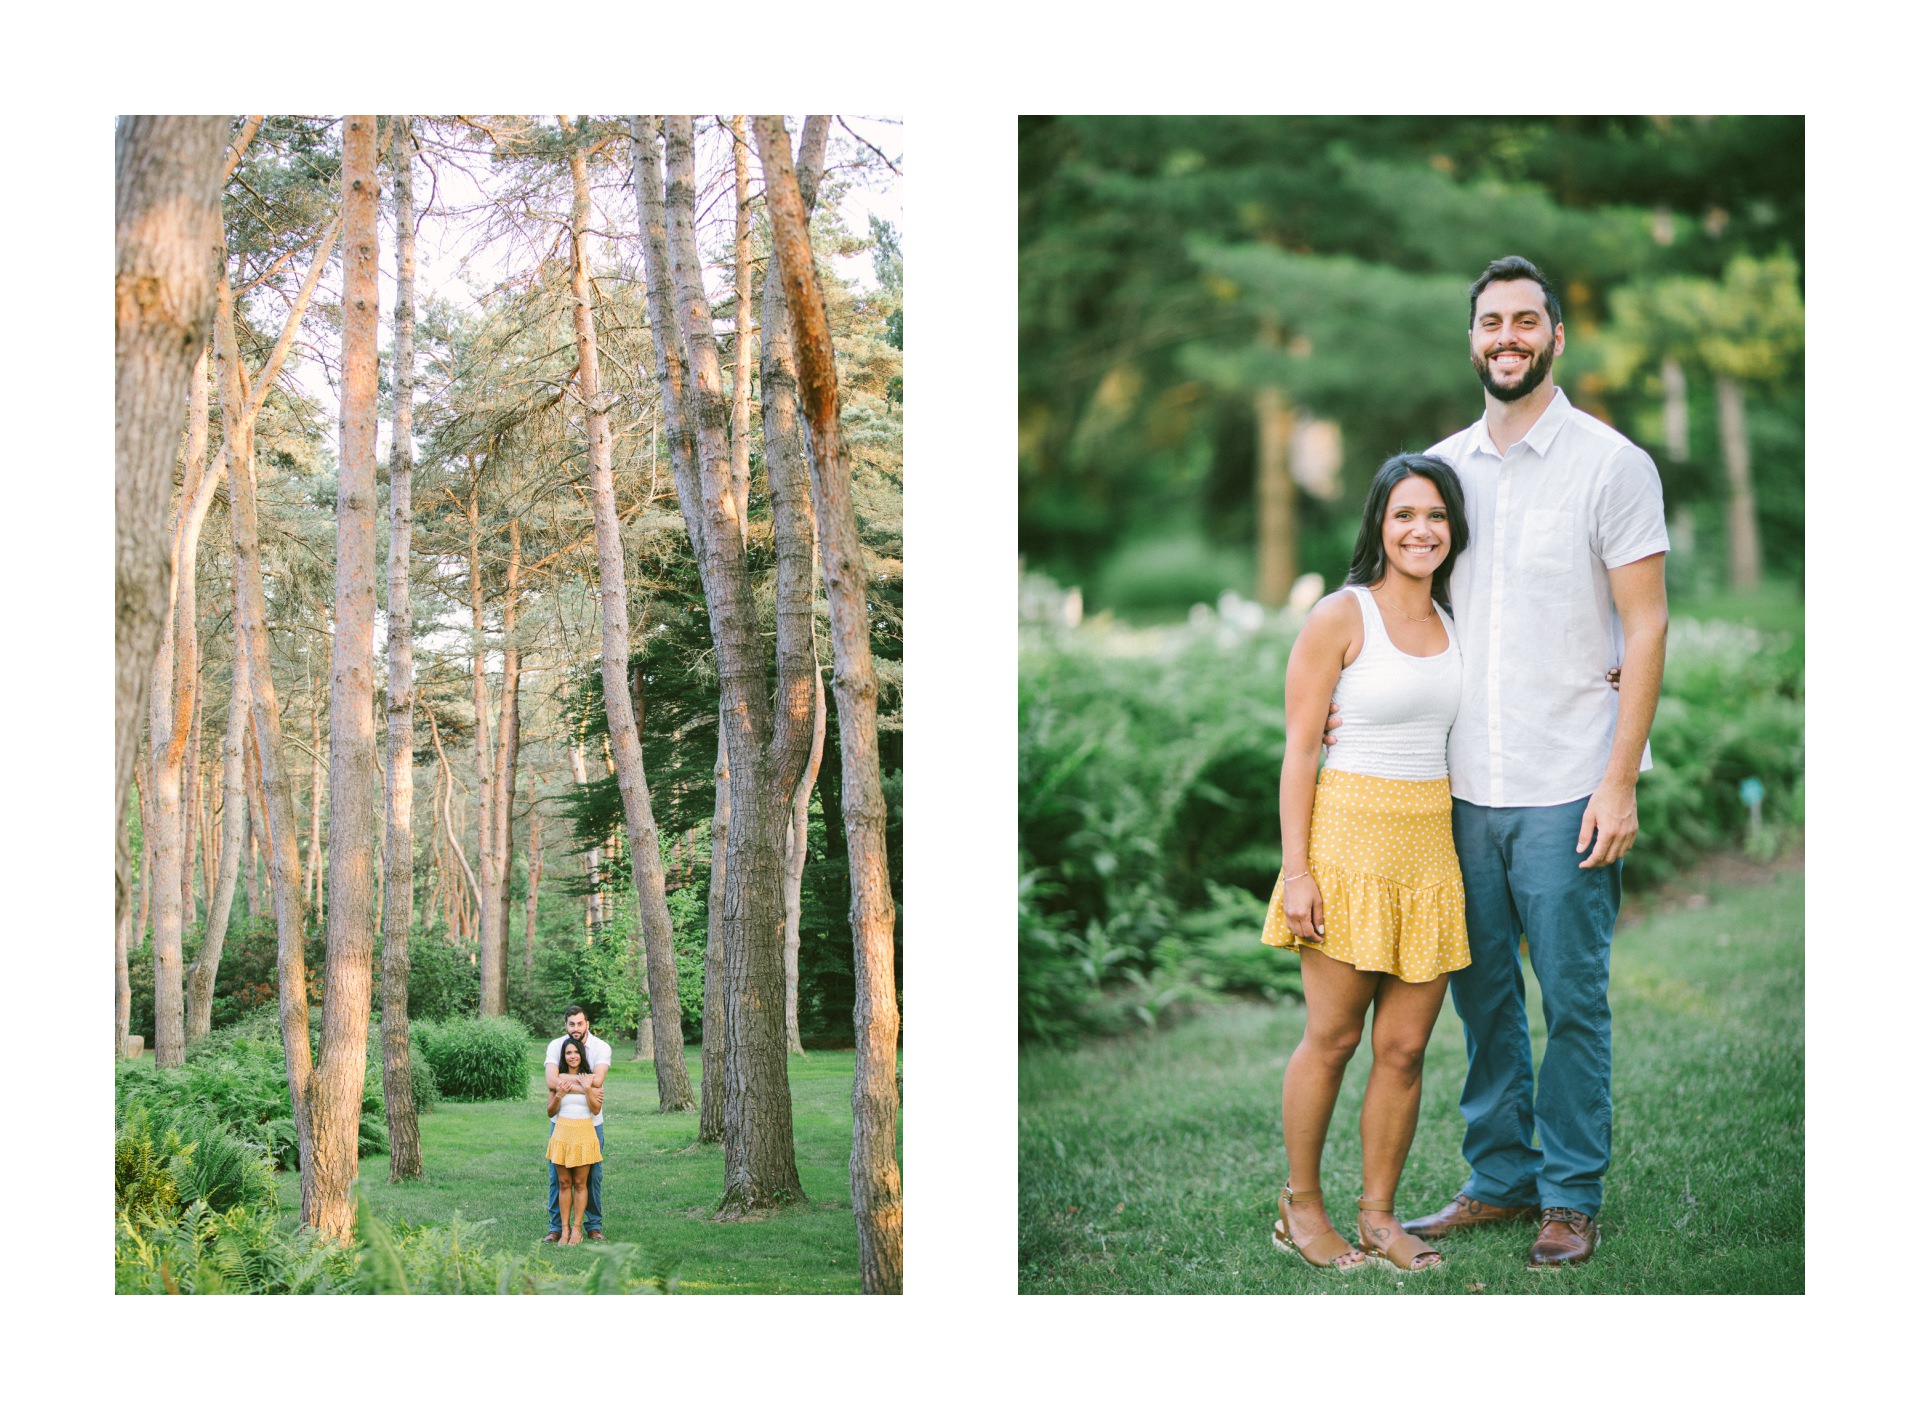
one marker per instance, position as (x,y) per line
(1550,551)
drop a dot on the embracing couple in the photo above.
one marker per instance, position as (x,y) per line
(576,1081)
(1479,788)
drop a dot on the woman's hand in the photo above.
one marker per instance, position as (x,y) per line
(1306,913)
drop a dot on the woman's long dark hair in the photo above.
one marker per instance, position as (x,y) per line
(1370,552)
(586,1064)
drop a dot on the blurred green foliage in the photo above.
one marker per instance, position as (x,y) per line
(1149,776)
(1172,266)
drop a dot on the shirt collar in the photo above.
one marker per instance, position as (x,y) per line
(1539,436)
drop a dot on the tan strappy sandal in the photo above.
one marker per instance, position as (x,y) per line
(1402,1249)
(1323,1248)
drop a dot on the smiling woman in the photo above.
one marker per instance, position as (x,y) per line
(1370,893)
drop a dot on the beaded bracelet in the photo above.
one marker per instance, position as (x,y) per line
(1284,878)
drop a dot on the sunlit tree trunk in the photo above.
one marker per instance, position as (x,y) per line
(353,784)
(713,1012)
(797,859)
(396,1056)
(786,450)
(270,757)
(169,730)
(206,969)
(1743,519)
(875,1168)
(315,864)
(167,177)
(767,730)
(649,883)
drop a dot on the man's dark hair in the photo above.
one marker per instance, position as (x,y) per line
(1369,551)
(1509,267)
(573,1009)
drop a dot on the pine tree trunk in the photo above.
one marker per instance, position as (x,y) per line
(276,813)
(1279,559)
(534,864)
(797,859)
(876,1098)
(1743,519)
(596,913)
(167,178)
(353,812)
(767,731)
(206,969)
(396,1054)
(122,935)
(649,883)
(713,1012)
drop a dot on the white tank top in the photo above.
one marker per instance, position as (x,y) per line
(1395,709)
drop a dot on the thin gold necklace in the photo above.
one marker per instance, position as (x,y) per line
(1427,618)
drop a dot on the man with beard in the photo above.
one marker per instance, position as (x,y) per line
(1564,578)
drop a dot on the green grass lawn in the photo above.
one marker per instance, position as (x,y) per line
(486,1161)
(1151,1164)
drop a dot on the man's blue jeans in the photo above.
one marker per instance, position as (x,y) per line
(1523,877)
(592,1221)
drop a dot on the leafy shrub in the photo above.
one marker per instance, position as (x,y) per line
(222,1171)
(477,1059)
(146,1160)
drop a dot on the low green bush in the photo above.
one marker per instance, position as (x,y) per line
(477,1059)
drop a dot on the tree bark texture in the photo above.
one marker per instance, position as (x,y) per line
(170,706)
(875,1169)
(233,813)
(250,633)
(643,838)
(353,767)
(767,730)
(797,859)
(167,177)
(396,1054)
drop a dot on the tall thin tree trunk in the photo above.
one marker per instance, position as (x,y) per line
(270,759)
(713,1011)
(742,320)
(167,178)
(1743,519)
(534,864)
(146,859)
(206,969)
(1274,489)
(315,869)
(797,859)
(767,729)
(596,912)
(492,988)
(649,884)
(876,1098)
(353,784)
(187,680)
(396,1065)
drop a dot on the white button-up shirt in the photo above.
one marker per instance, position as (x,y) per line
(1570,500)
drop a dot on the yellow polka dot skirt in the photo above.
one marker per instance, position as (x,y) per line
(1381,851)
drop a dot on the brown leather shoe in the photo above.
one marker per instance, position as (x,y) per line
(1566,1237)
(552,1237)
(595,1236)
(1461,1212)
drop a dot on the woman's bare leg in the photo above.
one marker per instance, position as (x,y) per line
(1403,1018)
(1337,997)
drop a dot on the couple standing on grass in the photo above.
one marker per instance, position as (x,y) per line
(1479,787)
(576,1078)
